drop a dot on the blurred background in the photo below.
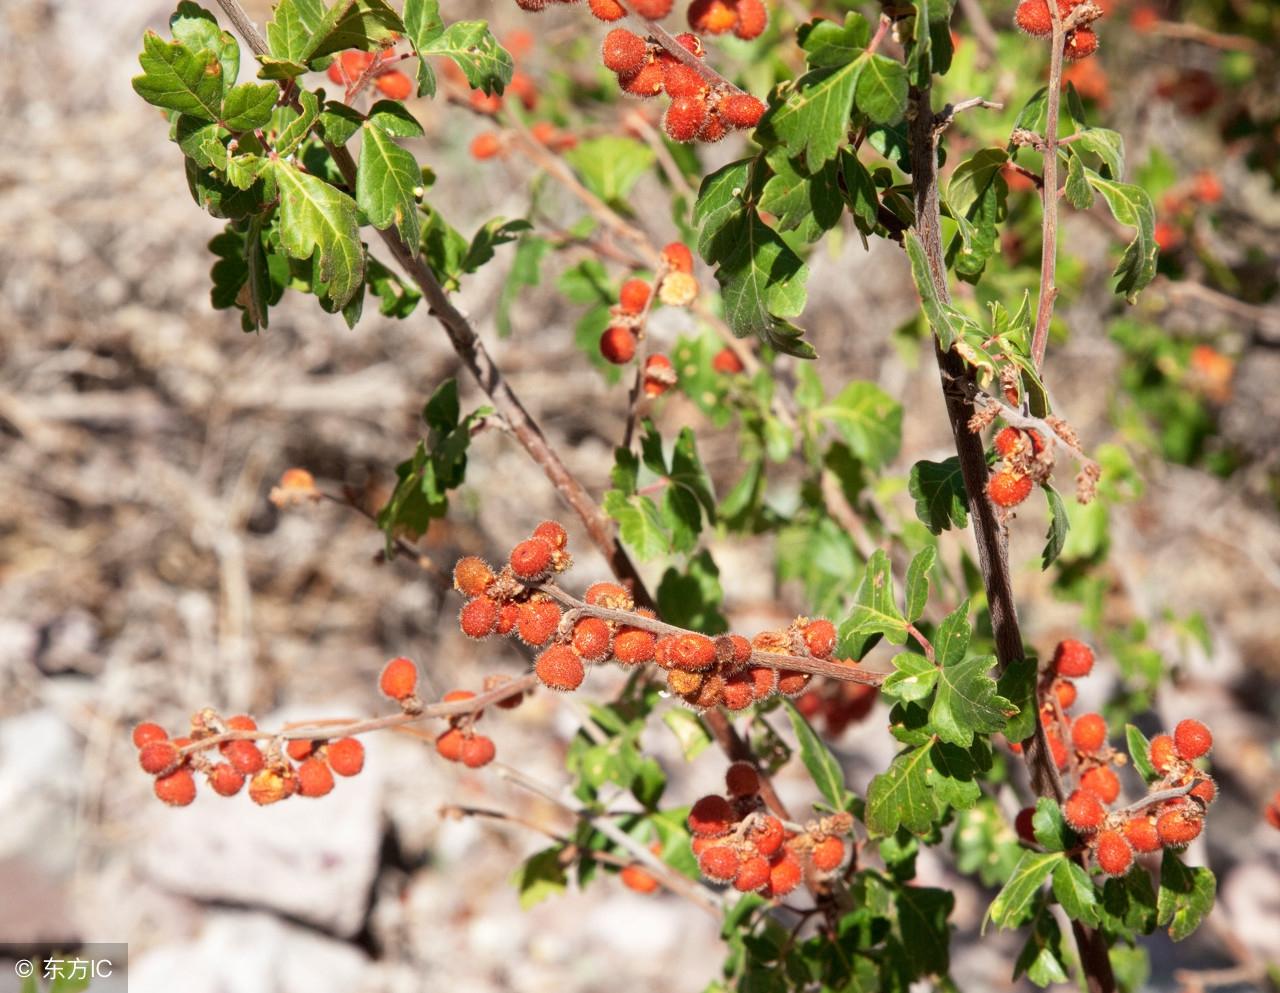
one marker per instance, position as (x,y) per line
(144,574)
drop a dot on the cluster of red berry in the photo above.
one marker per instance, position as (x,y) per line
(354,68)
(838,703)
(272,775)
(677,287)
(1035,18)
(738,842)
(1025,460)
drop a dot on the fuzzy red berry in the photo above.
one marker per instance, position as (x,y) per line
(399,679)
(764,681)
(1089,732)
(177,789)
(1141,833)
(659,375)
(472,576)
(633,646)
(691,43)
(633,296)
(1205,790)
(1009,441)
(478,751)
(752,874)
(591,639)
(299,749)
(486,145)
(559,668)
(623,51)
(538,621)
(225,780)
(1033,17)
(147,733)
(693,653)
(1179,827)
(531,559)
(618,344)
(719,863)
(1191,739)
(1162,753)
(449,745)
(712,16)
(767,834)
(1080,44)
(685,116)
(1023,825)
(680,80)
(740,110)
(346,756)
(1271,812)
(607,10)
(315,778)
(1102,782)
(1113,852)
(677,257)
(635,878)
(792,682)
(508,617)
(478,617)
(1007,488)
(820,638)
(609,595)
(394,84)
(714,129)
(158,758)
(643,82)
(1072,658)
(741,779)
(1065,691)
(241,722)
(1057,749)
(711,817)
(1084,811)
(652,10)
(553,533)
(244,756)
(784,876)
(726,361)
(828,854)
(752,19)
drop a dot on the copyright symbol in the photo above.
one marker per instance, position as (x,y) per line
(24,968)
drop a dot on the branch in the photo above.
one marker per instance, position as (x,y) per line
(1049,194)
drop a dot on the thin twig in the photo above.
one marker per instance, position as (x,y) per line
(1049,194)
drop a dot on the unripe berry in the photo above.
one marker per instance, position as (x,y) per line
(1007,488)
(712,16)
(784,876)
(633,646)
(399,679)
(1141,833)
(1065,691)
(1206,791)
(244,756)
(299,749)
(820,638)
(478,751)
(740,110)
(659,375)
(828,854)
(752,19)
(635,878)
(623,51)
(677,257)
(633,296)
(177,789)
(1102,782)
(767,834)
(618,344)
(394,85)
(531,559)
(147,733)
(269,786)
(346,756)
(1179,827)
(158,758)
(1089,732)
(1113,853)
(472,576)
(1162,753)
(225,780)
(1072,658)
(643,82)
(486,145)
(606,10)
(741,779)
(752,874)
(739,691)
(1191,739)
(711,817)
(449,745)
(591,638)
(1080,44)
(1083,811)
(559,668)
(538,621)
(678,289)
(1023,825)
(315,778)
(652,10)
(719,864)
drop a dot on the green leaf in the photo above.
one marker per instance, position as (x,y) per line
(1079,192)
(1107,145)
(318,220)
(976,198)
(692,599)
(882,89)
(249,106)
(859,192)
(914,677)
(1186,896)
(874,612)
(1017,684)
(525,272)
(362,24)
(1049,826)
(823,766)
(689,730)
(939,317)
(295,132)
(1129,904)
(176,78)
(291,29)
(918,581)
(339,123)
(923,914)
(868,419)
(423,25)
(1042,959)
(388,181)
(827,43)
(720,199)
(1131,206)
(539,877)
(610,167)
(1076,893)
(1016,897)
(813,120)
(811,203)
(901,796)
(1140,753)
(966,700)
(639,524)
(471,45)
(394,118)
(492,234)
(198,29)
(941,500)
(1059,525)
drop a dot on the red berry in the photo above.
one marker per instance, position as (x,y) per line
(633,296)
(643,82)
(177,789)
(680,80)
(299,749)
(1065,691)
(486,145)
(652,10)
(399,679)
(270,786)
(1080,44)
(531,559)
(1023,825)
(741,779)
(752,874)
(792,682)
(559,668)
(820,638)
(553,533)
(524,89)
(685,116)
(472,576)
(1009,441)
(1007,488)
(1033,17)
(394,84)
(1206,791)
(1141,833)
(225,780)
(1179,827)
(623,51)
(591,638)
(241,722)
(478,617)
(740,110)
(726,360)
(714,129)
(449,745)
(478,751)
(609,595)
(764,681)
(719,863)
(1113,852)
(1089,732)
(1191,739)
(691,43)
(633,646)
(458,696)
(146,733)
(1102,782)
(659,375)
(315,779)
(346,756)
(508,617)
(712,16)
(158,758)
(635,878)
(1272,811)
(244,756)
(828,854)
(618,344)
(606,10)
(1056,748)
(784,876)
(1072,658)
(752,19)
(677,257)
(767,834)
(711,817)
(538,621)
(1162,753)
(1083,811)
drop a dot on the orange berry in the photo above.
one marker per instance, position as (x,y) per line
(225,780)
(1207,188)
(685,116)
(677,257)
(472,576)
(738,692)
(484,103)
(680,80)
(394,84)
(1102,782)
(493,682)
(315,778)
(177,789)
(299,749)
(609,595)
(691,43)
(792,682)
(740,110)
(752,19)
(659,375)
(531,559)
(538,621)
(828,854)
(752,874)
(767,834)
(147,733)
(241,722)
(508,617)
(623,51)
(519,43)
(449,745)
(712,16)
(244,756)
(643,82)
(1191,739)
(270,786)
(618,344)
(1272,811)
(591,638)
(741,779)
(1089,732)
(1162,753)
(346,756)
(559,668)
(693,653)
(713,129)
(354,63)
(158,758)
(478,617)
(478,751)
(1072,658)
(764,681)
(1179,827)
(1024,826)
(711,817)
(1083,811)
(1080,44)
(652,10)
(1065,691)
(607,10)
(486,145)
(635,878)
(820,638)
(1141,833)
(719,863)
(633,646)
(553,533)
(1206,791)
(1113,852)
(1009,441)
(399,679)
(784,876)
(726,361)
(1007,488)
(1057,749)
(458,696)
(633,296)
